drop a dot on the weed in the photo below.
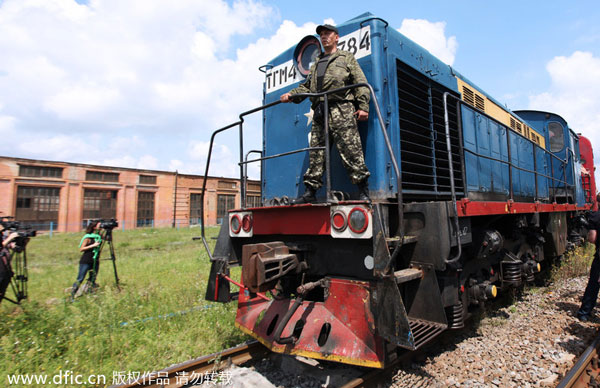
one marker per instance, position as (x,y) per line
(575,263)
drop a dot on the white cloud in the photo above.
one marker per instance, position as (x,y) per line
(60,147)
(80,62)
(131,83)
(145,162)
(432,36)
(573,95)
(175,165)
(131,70)
(7,124)
(83,103)
(223,162)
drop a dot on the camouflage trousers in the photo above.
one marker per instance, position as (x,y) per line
(343,131)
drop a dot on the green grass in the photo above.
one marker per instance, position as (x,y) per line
(158,318)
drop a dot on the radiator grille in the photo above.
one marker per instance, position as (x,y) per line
(468,96)
(479,103)
(424,155)
(473,98)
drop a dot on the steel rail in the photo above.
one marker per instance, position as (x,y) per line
(181,375)
(586,371)
(372,377)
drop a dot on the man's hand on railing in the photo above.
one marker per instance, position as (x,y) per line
(361,115)
(286,97)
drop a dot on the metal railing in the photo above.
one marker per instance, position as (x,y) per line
(511,166)
(243,162)
(451,173)
(244,181)
(562,171)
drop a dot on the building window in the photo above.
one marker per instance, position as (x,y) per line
(38,206)
(147,179)
(145,213)
(40,171)
(99,204)
(227,185)
(101,176)
(195,203)
(253,201)
(253,186)
(225,202)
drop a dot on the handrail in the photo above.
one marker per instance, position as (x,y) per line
(451,174)
(246,162)
(510,164)
(245,181)
(210,147)
(325,94)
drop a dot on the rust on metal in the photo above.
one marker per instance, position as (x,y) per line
(586,371)
(305,288)
(408,274)
(168,377)
(240,285)
(264,263)
(327,330)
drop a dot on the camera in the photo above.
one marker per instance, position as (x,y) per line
(10,224)
(109,224)
(15,226)
(24,232)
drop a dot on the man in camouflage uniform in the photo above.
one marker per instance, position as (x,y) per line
(335,69)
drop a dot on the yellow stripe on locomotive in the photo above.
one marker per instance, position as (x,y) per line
(478,100)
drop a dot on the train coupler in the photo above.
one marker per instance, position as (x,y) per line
(264,263)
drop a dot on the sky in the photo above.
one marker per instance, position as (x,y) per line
(144,83)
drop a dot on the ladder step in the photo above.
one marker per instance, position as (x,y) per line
(424,331)
(405,275)
(405,240)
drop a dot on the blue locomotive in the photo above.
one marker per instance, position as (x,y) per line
(468,199)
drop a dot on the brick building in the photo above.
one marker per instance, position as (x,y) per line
(62,196)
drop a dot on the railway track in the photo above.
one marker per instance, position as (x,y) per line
(196,370)
(586,371)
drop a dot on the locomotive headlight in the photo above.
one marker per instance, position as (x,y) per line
(235,224)
(338,221)
(305,54)
(358,220)
(247,223)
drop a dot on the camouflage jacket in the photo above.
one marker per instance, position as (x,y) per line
(342,70)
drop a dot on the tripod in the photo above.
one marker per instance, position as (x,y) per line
(108,238)
(18,280)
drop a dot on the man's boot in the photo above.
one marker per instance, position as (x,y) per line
(307,197)
(363,191)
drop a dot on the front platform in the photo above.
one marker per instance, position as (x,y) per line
(340,329)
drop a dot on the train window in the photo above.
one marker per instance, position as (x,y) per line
(557,137)
(305,54)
